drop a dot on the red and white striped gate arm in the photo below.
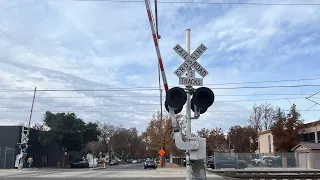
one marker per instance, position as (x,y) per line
(156,44)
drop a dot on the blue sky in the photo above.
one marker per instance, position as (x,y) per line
(86,45)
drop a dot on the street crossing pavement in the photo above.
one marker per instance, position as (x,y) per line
(96,174)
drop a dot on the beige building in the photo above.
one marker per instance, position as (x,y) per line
(311,134)
(265,142)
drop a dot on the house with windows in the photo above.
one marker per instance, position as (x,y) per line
(311,134)
(306,153)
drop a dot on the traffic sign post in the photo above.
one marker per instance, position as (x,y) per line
(202,99)
(188,81)
(161,152)
(190,61)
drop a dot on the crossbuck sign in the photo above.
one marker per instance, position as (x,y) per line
(189,64)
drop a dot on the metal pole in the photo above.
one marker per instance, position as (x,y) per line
(12,151)
(156,15)
(188,113)
(188,108)
(34,96)
(5,158)
(161,119)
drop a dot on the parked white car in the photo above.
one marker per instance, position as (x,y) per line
(262,161)
(134,161)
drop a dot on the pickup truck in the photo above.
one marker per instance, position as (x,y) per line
(218,162)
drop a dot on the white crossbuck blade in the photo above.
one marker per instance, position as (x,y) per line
(190,61)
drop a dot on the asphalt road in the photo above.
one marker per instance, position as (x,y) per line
(125,167)
(117,172)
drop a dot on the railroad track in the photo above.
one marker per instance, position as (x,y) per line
(270,174)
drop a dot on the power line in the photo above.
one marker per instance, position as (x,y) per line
(265,87)
(45,41)
(149,89)
(141,96)
(102,105)
(42,54)
(212,3)
(79,90)
(315,103)
(244,100)
(260,82)
(317,110)
(268,81)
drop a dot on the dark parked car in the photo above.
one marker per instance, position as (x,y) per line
(80,163)
(277,162)
(226,162)
(150,164)
(113,162)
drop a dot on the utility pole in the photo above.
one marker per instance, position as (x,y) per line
(23,145)
(34,96)
(161,120)
(188,112)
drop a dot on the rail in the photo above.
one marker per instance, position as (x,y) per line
(273,174)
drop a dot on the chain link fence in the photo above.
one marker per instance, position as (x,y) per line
(7,158)
(298,160)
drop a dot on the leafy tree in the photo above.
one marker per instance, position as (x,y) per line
(93,147)
(287,130)
(243,138)
(126,140)
(215,139)
(255,118)
(68,131)
(268,114)
(91,132)
(262,116)
(159,133)
(39,127)
(107,131)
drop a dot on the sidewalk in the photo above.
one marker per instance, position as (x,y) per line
(169,165)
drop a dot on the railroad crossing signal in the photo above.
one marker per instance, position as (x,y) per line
(203,97)
(189,64)
(190,61)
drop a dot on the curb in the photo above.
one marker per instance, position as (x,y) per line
(98,168)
